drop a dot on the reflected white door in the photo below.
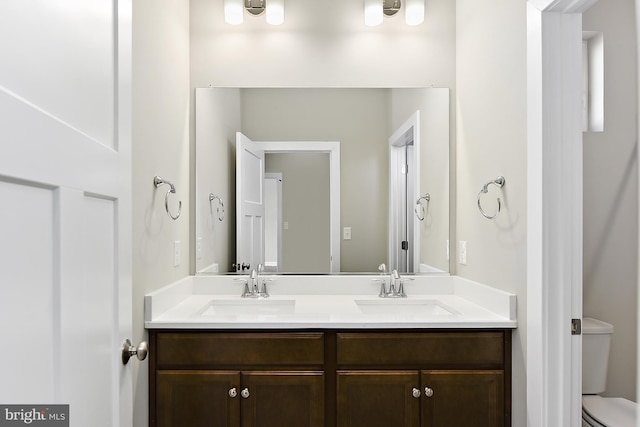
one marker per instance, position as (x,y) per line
(250,203)
(65,172)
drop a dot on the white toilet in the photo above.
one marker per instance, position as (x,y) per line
(598,411)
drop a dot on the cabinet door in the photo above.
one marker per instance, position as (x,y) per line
(378,399)
(463,398)
(198,398)
(282,398)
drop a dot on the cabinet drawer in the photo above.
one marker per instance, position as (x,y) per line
(420,349)
(200,349)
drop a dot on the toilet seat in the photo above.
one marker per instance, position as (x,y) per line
(609,411)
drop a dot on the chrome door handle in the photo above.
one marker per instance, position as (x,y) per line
(128,350)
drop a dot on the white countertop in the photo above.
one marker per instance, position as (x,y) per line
(329,302)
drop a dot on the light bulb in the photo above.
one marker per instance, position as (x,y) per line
(414,12)
(275,12)
(233,12)
(372,12)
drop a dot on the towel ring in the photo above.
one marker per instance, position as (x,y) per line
(427,198)
(498,182)
(157,181)
(220,207)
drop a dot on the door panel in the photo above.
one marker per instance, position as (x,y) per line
(463,398)
(197,398)
(65,182)
(279,399)
(250,202)
(377,399)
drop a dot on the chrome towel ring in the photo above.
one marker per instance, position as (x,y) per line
(220,208)
(157,181)
(426,198)
(498,182)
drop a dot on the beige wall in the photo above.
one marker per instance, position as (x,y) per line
(611,196)
(492,140)
(358,119)
(305,209)
(322,44)
(160,147)
(214,158)
(434,165)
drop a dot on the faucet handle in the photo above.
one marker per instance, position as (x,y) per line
(264,293)
(401,291)
(383,287)
(245,292)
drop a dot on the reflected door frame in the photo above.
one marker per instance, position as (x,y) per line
(404,155)
(332,148)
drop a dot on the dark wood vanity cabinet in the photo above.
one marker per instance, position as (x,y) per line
(395,378)
(237,379)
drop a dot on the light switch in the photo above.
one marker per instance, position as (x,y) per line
(176,253)
(463,252)
(346,233)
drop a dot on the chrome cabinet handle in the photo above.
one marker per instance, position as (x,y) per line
(415,392)
(428,392)
(233,392)
(129,350)
(244,393)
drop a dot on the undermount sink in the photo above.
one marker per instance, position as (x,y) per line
(405,307)
(248,307)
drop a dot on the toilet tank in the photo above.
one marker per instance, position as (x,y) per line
(596,340)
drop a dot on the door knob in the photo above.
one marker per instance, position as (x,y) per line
(415,392)
(428,392)
(128,350)
(244,393)
(233,392)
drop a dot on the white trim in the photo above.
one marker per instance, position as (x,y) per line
(554,211)
(333,149)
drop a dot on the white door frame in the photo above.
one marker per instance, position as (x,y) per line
(333,149)
(554,211)
(399,138)
(277,177)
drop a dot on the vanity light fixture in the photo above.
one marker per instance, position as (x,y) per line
(234,10)
(375,10)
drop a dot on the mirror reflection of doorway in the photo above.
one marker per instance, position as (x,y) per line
(404,243)
(304,242)
(273,222)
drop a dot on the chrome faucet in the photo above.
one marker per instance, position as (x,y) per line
(396,285)
(255,290)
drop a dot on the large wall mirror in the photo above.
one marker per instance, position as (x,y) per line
(350,179)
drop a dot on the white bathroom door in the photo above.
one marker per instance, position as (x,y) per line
(250,203)
(65,208)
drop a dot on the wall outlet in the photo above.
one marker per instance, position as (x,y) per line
(346,233)
(176,253)
(463,252)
